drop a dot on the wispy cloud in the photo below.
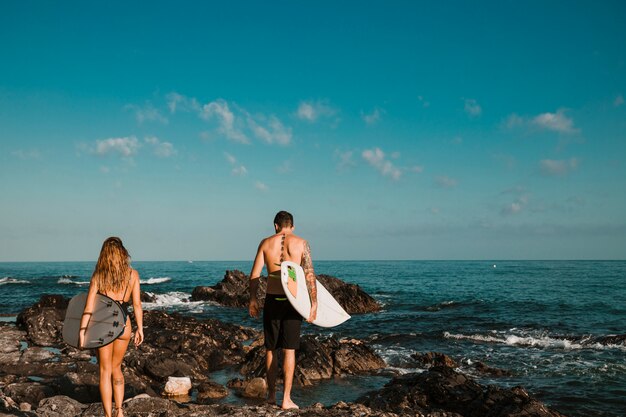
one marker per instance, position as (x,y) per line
(125,146)
(261,186)
(220,110)
(516,206)
(345,159)
(160,149)
(373,117)
(557,122)
(619,100)
(146,113)
(444,181)
(472,108)
(425,103)
(313,110)
(417,169)
(178,102)
(273,131)
(558,167)
(376,158)
(237,168)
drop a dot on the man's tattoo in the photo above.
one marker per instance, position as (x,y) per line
(309,273)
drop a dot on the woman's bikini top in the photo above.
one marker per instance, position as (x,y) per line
(123,304)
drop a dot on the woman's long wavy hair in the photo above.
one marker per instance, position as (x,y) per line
(113,267)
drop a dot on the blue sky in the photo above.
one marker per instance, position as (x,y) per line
(391,130)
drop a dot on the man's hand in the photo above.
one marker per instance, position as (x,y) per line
(253,308)
(313,314)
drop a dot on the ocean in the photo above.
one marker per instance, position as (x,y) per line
(537,319)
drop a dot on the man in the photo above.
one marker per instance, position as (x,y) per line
(281,322)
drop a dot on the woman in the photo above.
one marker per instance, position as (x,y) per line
(114,277)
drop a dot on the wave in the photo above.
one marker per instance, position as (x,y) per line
(174,299)
(67,281)
(155,280)
(10,280)
(541,341)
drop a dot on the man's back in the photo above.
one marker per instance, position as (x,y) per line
(276,249)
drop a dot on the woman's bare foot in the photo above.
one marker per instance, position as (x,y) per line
(289,405)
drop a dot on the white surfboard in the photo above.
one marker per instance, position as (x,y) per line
(106,324)
(329,312)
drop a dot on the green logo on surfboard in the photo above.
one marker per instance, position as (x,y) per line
(292,274)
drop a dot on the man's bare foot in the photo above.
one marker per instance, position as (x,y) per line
(289,405)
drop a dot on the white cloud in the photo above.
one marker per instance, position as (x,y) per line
(376,158)
(237,168)
(261,186)
(557,122)
(125,147)
(273,132)
(424,102)
(313,110)
(513,121)
(444,181)
(516,206)
(553,167)
(372,117)
(417,168)
(161,149)
(619,100)
(226,118)
(472,108)
(105,169)
(178,102)
(147,113)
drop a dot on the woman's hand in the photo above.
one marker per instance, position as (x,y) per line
(81,338)
(138,337)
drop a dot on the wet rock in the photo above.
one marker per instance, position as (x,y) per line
(430,359)
(233,291)
(442,389)
(488,370)
(147,297)
(320,358)
(29,392)
(210,391)
(617,339)
(43,322)
(250,388)
(59,406)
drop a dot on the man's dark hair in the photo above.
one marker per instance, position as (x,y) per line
(283,219)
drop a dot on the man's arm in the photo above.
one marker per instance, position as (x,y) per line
(311,280)
(257,268)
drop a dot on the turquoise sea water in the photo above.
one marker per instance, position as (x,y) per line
(538,319)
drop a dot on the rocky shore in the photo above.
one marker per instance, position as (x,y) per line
(41,376)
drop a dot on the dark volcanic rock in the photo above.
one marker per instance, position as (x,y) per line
(43,321)
(210,391)
(147,297)
(618,339)
(320,358)
(350,296)
(59,406)
(442,389)
(28,392)
(233,291)
(430,359)
(488,370)
(10,338)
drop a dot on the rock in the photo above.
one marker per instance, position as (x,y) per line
(430,359)
(10,338)
(147,297)
(255,388)
(36,354)
(233,291)
(25,407)
(619,339)
(208,391)
(8,407)
(59,406)
(320,358)
(442,389)
(350,296)
(43,322)
(29,392)
(177,386)
(488,370)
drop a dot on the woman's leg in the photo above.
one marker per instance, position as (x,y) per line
(119,349)
(105,355)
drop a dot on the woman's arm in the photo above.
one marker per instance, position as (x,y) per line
(136,295)
(89,305)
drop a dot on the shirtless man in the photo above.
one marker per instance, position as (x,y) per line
(281,322)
